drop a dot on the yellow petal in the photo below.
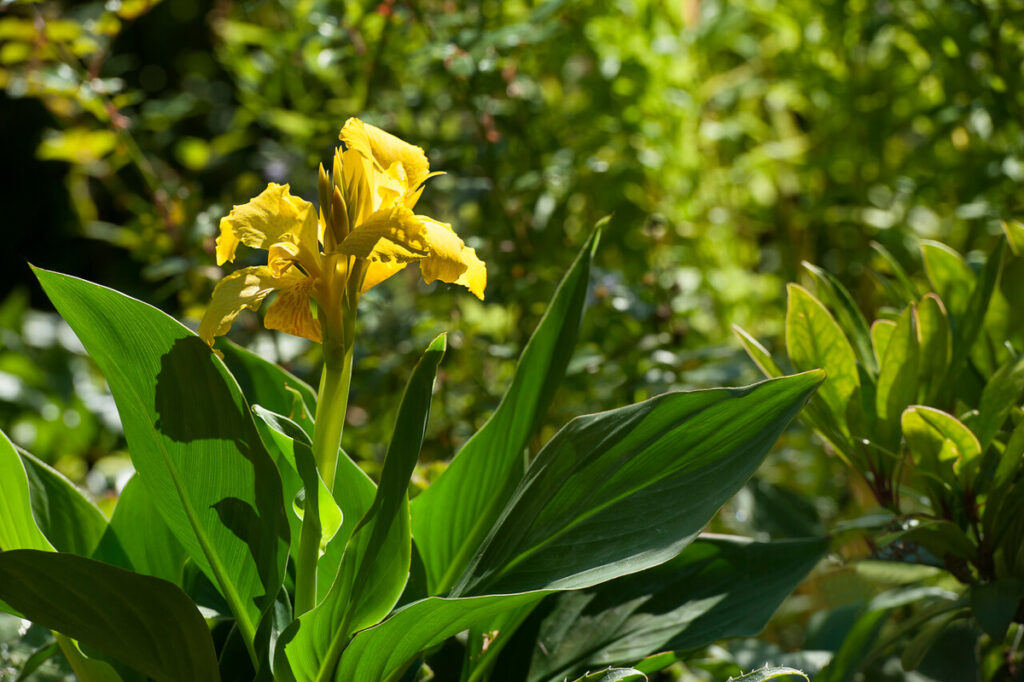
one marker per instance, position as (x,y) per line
(475,276)
(290,312)
(378,272)
(394,237)
(245,288)
(386,149)
(265,220)
(390,235)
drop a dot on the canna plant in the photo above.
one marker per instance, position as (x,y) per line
(925,405)
(248,546)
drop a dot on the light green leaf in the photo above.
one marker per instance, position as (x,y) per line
(619,491)
(147,623)
(451,518)
(881,332)
(851,319)
(950,277)
(375,565)
(758,353)
(192,440)
(815,341)
(383,652)
(937,439)
(18,529)
(718,587)
(897,379)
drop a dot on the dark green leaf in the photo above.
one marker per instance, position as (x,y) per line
(1002,392)
(620,491)
(68,519)
(994,605)
(718,587)
(452,517)
(267,384)
(147,623)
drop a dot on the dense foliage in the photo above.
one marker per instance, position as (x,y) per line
(729,141)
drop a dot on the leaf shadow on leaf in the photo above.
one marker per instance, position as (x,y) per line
(238,515)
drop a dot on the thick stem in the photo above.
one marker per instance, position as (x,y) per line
(332,403)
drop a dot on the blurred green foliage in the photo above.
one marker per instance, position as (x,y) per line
(730,140)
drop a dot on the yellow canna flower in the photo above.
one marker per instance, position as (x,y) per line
(365,232)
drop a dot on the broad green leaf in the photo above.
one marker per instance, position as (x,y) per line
(1002,393)
(375,565)
(147,623)
(452,517)
(950,277)
(994,605)
(881,332)
(383,652)
(938,440)
(758,353)
(922,642)
(67,518)
(620,491)
(936,342)
(718,587)
(18,529)
(851,319)
(267,384)
(897,379)
(138,532)
(192,440)
(814,340)
(770,673)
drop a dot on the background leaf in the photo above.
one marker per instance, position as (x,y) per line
(620,491)
(717,587)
